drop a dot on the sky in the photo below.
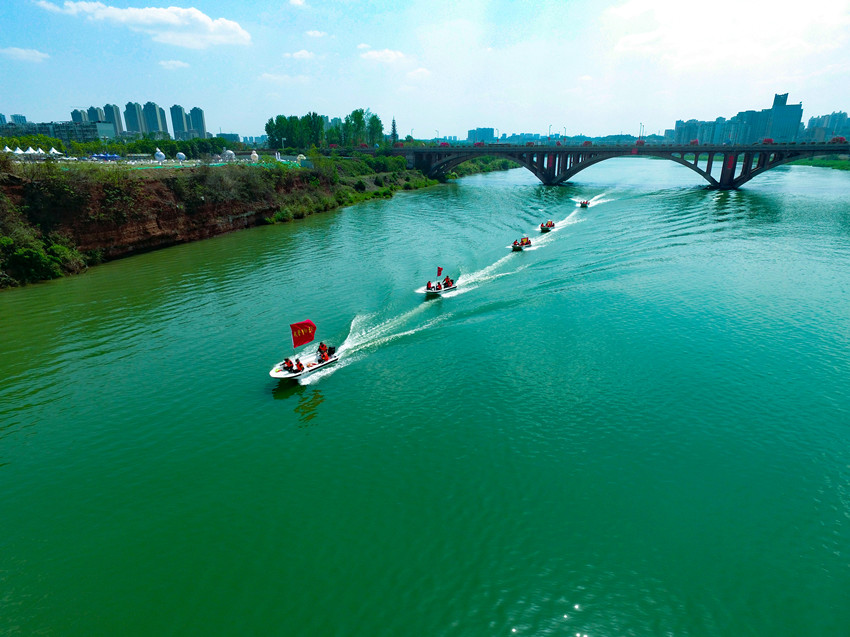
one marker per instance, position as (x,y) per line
(439,68)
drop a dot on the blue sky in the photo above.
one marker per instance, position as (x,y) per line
(594,68)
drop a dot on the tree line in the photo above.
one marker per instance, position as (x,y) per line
(359,127)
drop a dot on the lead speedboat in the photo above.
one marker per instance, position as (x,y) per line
(546,226)
(584,204)
(312,363)
(435,292)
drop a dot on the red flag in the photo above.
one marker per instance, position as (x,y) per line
(439,270)
(302,333)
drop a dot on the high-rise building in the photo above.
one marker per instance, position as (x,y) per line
(96,114)
(134,119)
(785,119)
(79,116)
(154,118)
(112,115)
(19,119)
(198,123)
(481,135)
(179,122)
(2,119)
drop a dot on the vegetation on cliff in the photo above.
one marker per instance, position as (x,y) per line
(57,218)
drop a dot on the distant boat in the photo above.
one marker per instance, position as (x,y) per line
(584,204)
(521,244)
(546,226)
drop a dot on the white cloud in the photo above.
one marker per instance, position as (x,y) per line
(24,55)
(300,55)
(298,3)
(386,56)
(687,38)
(419,74)
(187,28)
(278,78)
(316,34)
(173,65)
(363,46)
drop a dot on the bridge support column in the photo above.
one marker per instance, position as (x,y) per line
(727,174)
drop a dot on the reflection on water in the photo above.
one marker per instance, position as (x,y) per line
(308,402)
(309,399)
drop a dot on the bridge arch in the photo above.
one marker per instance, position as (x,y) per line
(555,165)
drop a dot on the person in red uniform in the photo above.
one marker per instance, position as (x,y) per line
(287,365)
(299,366)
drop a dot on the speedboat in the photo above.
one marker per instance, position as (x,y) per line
(435,292)
(312,363)
(584,204)
(546,226)
(519,246)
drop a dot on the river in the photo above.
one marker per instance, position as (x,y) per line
(640,426)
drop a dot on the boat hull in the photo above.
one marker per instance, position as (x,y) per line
(433,293)
(279,372)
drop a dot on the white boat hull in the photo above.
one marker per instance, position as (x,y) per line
(433,292)
(279,372)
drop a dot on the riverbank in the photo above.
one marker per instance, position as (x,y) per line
(58,219)
(834,162)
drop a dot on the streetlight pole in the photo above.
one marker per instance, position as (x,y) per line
(438,134)
(550,132)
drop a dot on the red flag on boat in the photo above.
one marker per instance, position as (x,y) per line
(302,333)
(439,270)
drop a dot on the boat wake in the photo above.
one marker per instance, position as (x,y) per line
(368,332)
(365,336)
(596,199)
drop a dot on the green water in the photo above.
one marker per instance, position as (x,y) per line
(638,427)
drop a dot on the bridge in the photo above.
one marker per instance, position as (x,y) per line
(555,164)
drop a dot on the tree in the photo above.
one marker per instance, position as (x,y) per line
(394,133)
(375,130)
(358,125)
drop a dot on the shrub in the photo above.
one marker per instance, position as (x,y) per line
(360,186)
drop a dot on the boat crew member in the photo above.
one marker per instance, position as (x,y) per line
(516,243)
(428,287)
(299,366)
(287,365)
(439,287)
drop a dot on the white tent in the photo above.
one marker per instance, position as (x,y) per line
(18,151)
(53,151)
(29,151)
(7,150)
(39,151)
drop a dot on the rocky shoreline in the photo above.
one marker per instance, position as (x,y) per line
(57,220)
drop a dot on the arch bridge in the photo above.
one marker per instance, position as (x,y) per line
(553,164)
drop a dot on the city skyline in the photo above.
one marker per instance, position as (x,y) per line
(592,68)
